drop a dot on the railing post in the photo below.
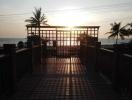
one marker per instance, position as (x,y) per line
(44,53)
(98,46)
(10,51)
(40,54)
(44,50)
(30,46)
(115,80)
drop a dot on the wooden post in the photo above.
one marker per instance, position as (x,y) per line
(98,45)
(40,54)
(10,51)
(31,59)
(115,76)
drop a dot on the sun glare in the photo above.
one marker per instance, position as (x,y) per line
(71,19)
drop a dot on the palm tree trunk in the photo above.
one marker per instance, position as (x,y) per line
(117,40)
(39,36)
(39,31)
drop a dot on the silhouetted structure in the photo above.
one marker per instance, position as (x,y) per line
(68,65)
(64,40)
(20,44)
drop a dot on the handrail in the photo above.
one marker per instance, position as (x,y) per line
(64,26)
(2,55)
(128,55)
(107,50)
(21,50)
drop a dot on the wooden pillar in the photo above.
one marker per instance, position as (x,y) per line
(31,58)
(98,46)
(115,76)
(10,51)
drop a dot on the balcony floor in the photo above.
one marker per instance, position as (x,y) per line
(64,79)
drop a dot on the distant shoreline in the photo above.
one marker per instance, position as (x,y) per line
(11,40)
(105,42)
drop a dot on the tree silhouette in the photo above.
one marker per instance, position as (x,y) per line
(117,31)
(129,30)
(37,19)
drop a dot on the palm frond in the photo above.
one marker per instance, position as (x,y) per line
(112,35)
(122,36)
(37,13)
(117,31)
(37,18)
(124,32)
(129,24)
(116,27)
(108,32)
(42,18)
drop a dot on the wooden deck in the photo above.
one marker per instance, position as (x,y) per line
(64,79)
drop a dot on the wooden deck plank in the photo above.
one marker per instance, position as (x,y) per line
(65,79)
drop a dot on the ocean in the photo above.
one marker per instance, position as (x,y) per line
(106,41)
(103,41)
(11,40)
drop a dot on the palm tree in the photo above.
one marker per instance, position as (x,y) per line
(117,31)
(129,29)
(37,19)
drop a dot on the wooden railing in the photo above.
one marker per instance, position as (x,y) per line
(106,62)
(62,40)
(114,65)
(14,64)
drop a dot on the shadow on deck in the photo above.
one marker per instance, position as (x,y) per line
(64,79)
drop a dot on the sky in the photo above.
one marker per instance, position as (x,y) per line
(63,12)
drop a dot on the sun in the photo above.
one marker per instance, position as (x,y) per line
(71,18)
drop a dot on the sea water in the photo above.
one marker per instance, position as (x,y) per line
(103,41)
(11,40)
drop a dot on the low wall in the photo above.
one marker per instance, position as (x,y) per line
(36,55)
(106,62)
(4,76)
(14,64)
(124,73)
(91,55)
(23,62)
(117,67)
